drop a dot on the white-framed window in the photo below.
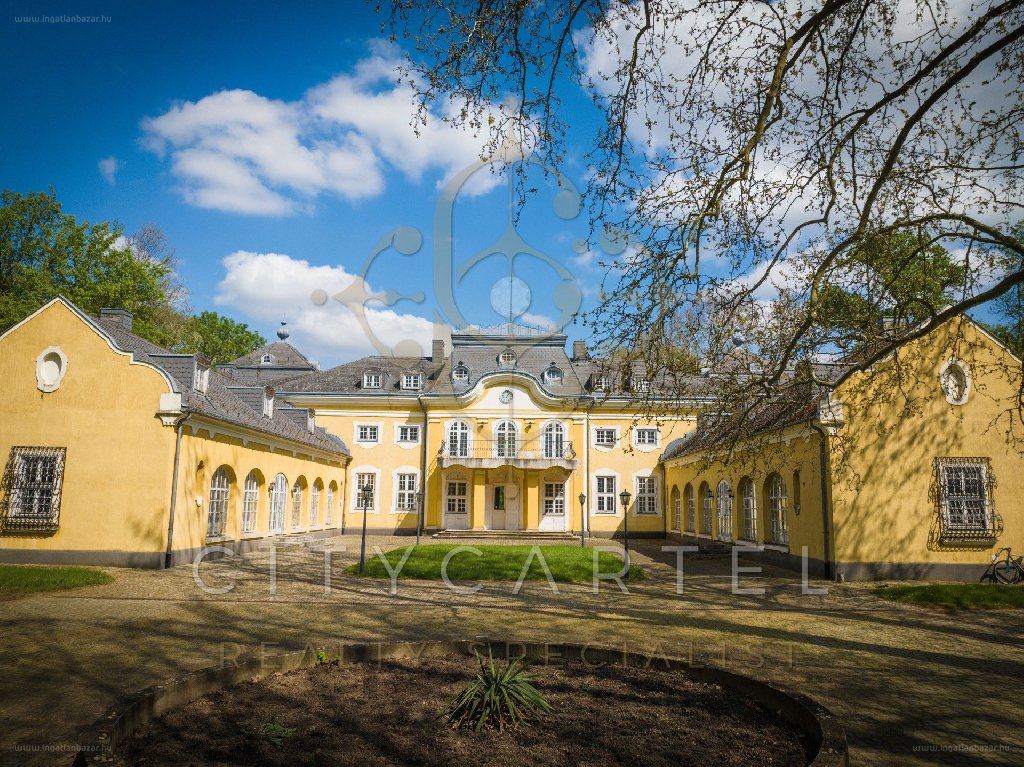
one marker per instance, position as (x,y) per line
(641,385)
(708,499)
(314,504)
(602,383)
(405,493)
(645,437)
(553,374)
(778,531)
(507,359)
(217,513)
(329,505)
(458,439)
(367,433)
(606,499)
(412,381)
(677,509)
(34,476)
(297,489)
(409,433)
(691,508)
(554,498)
(749,509)
(455,497)
(964,495)
(371,380)
(604,437)
(554,440)
(724,496)
(646,495)
(266,359)
(460,373)
(250,502)
(278,498)
(364,480)
(506,440)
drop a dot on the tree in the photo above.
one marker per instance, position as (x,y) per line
(45,252)
(219,338)
(1010,306)
(758,153)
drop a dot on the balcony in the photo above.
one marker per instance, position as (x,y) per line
(521,454)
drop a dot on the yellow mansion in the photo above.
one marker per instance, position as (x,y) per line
(119,452)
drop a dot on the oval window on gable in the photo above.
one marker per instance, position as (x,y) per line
(507,359)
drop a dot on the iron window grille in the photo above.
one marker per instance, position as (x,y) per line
(32,485)
(554,498)
(965,499)
(606,499)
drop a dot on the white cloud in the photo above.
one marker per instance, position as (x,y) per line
(269,287)
(109,166)
(241,152)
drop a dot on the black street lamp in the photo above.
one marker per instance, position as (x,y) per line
(366,496)
(624,496)
(419,516)
(583,519)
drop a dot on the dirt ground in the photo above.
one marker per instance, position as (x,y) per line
(391,714)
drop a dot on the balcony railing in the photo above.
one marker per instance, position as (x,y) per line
(513,451)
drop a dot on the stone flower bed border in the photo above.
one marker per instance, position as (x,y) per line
(816,721)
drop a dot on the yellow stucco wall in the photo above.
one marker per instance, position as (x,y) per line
(117,472)
(885,494)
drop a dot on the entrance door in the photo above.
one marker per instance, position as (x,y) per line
(512,507)
(498,503)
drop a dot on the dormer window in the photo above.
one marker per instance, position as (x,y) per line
(268,403)
(371,380)
(641,385)
(601,383)
(201,379)
(267,359)
(507,359)
(412,381)
(460,374)
(553,374)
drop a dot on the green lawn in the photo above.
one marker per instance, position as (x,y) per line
(570,564)
(957,596)
(21,579)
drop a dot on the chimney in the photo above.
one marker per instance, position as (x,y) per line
(437,352)
(579,350)
(120,318)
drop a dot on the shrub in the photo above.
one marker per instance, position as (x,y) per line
(502,695)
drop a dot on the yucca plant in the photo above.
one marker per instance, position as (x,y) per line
(502,695)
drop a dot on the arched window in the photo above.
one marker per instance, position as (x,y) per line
(314,503)
(677,509)
(707,496)
(749,509)
(458,439)
(724,494)
(266,359)
(218,514)
(297,503)
(778,531)
(691,509)
(329,505)
(553,374)
(554,440)
(505,440)
(278,494)
(250,502)
(460,373)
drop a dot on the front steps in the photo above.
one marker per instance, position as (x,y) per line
(508,535)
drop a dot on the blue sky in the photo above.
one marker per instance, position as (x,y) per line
(273,149)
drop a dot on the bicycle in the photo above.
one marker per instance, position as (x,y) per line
(1009,569)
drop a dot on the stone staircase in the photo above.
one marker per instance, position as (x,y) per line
(508,535)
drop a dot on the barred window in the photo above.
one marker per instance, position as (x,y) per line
(406,497)
(605,495)
(250,502)
(456,498)
(218,514)
(646,495)
(554,498)
(964,494)
(32,484)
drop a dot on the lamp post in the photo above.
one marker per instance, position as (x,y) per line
(624,496)
(419,516)
(366,496)
(583,520)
